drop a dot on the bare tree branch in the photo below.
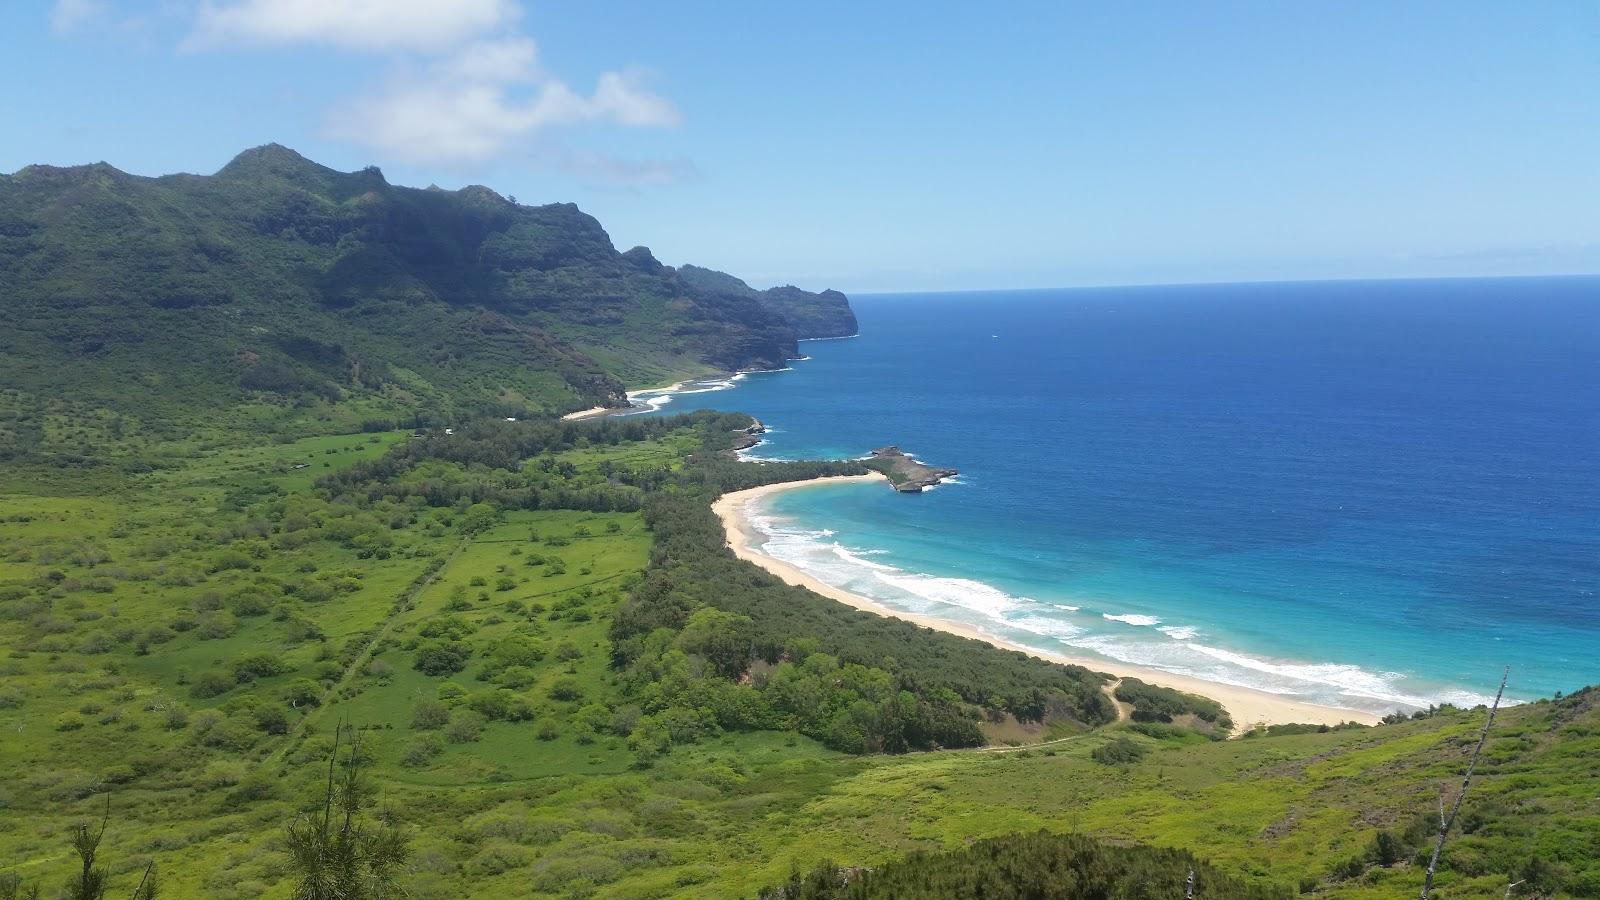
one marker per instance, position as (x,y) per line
(1466,782)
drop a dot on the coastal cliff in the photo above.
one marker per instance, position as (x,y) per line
(905,474)
(812,315)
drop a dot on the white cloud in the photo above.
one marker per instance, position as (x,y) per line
(467,86)
(472,106)
(70,15)
(356,24)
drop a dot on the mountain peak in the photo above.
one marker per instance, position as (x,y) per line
(275,162)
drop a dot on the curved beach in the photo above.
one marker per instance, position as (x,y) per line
(1248,707)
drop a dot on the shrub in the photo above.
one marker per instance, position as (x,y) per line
(210,684)
(429,714)
(465,726)
(258,665)
(1119,752)
(421,750)
(214,626)
(302,692)
(566,690)
(442,657)
(272,719)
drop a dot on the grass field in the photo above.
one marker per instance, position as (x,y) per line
(184,641)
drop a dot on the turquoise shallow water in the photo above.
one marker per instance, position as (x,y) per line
(1366,494)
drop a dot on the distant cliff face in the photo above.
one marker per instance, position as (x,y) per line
(277,276)
(824,315)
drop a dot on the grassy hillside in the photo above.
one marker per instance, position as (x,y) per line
(281,293)
(186,639)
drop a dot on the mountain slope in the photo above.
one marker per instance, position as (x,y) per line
(278,282)
(824,315)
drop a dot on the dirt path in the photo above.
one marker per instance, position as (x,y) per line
(1111,692)
(402,605)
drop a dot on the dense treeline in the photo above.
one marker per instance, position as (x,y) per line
(781,626)
(1038,866)
(507,445)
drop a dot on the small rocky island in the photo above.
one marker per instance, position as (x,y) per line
(904,473)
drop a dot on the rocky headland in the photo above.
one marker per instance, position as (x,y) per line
(904,473)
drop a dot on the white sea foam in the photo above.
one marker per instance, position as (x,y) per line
(1173,648)
(854,556)
(1132,619)
(1044,625)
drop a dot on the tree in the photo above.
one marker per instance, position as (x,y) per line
(721,638)
(1446,821)
(336,855)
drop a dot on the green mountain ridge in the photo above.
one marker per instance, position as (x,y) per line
(824,315)
(284,285)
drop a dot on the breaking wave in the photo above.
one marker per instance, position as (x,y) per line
(1050,626)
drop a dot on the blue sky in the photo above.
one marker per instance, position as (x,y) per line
(888,145)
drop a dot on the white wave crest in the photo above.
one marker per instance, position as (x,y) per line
(1173,648)
(1132,619)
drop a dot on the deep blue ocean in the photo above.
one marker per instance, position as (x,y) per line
(1366,494)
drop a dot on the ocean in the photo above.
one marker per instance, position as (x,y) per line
(1371,495)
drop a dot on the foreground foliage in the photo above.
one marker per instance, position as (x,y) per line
(1038,866)
(565,686)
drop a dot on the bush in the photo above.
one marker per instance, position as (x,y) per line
(429,715)
(302,692)
(1119,752)
(421,750)
(566,690)
(258,665)
(272,719)
(442,657)
(465,726)
(210,684)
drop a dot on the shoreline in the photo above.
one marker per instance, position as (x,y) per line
(596,411)
(1248,707)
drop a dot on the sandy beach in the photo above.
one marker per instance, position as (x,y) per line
(1248,707)
(633,397)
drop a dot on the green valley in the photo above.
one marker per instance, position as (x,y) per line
(187,642)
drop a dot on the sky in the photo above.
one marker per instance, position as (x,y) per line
(891,145)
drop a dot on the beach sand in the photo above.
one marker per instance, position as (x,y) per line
(633,397)
(1248,707)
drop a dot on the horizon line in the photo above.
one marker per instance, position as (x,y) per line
(1222,283)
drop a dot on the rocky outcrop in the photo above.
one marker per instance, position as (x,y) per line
(904,473)
(745,438)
